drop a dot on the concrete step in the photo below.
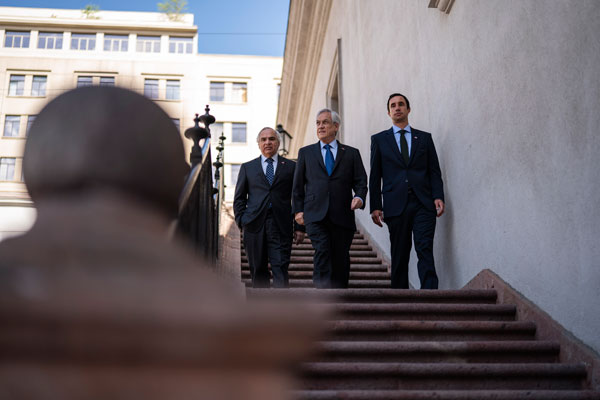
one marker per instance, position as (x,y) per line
(366,296)
(344,330)
(427,352)
(445,395)
(442,376)
(425,312)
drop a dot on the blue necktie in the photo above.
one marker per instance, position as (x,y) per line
(329,162)
(270,174)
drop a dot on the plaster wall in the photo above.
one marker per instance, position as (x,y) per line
(510,91)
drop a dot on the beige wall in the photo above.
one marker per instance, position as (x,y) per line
(510,91)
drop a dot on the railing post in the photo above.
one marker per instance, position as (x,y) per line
(199,210)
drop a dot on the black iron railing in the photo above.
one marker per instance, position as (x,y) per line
(200,200)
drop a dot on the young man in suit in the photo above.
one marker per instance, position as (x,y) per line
(327,174)
(263,210)
(413,193)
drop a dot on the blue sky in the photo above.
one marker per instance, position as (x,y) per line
(254,27)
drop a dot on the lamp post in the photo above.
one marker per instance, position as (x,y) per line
(285,140)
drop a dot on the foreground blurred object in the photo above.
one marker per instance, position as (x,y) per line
(95,302)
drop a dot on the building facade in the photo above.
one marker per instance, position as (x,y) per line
(509,91)
(45,52)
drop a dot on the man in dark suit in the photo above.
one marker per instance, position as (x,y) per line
(413,193)
(263,210)
(326,175)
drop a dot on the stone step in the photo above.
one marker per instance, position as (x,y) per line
(429,330)
(445,395)
(353,267)
(424,312)
(353,283)
(442,376)
(357,247)
(463,296)
(428,352)
(309,260)
(309,254)
(365,275)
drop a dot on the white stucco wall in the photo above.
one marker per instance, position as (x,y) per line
(510,91)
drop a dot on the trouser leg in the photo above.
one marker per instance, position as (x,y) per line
(424,231)
(320,240)
(341,241)
(256,251)
(279,247)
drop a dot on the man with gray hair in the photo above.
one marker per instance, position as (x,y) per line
(263,211)
(327,174)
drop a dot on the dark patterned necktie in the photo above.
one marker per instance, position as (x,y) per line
(329,162)
(404,146)
(270,174)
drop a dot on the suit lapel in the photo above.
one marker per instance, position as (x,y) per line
(259,171)
(414,142)
(317,153)
(281,164)
(391,141)
(338,158)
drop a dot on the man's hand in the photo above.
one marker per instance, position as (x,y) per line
(439,207)
(377,217)
(299,217)
(299,237)
(356,203)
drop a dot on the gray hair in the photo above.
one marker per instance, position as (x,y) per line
(268,127)
(335,117)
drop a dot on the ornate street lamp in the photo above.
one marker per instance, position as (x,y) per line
(285,140)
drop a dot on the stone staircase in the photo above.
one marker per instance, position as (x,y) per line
(417,344)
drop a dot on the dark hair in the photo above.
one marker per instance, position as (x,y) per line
(394,95)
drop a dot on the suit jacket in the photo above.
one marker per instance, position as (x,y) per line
(422,173)
(318,195)
(253,195)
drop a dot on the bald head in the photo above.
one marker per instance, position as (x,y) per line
(109,137)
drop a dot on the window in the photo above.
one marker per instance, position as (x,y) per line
(181,45)
(115,42)
(83,41)
(38,86)
(50,40)
(238,132)
(173,87)
(16,39)
(83,81)
(148,44)
(177,124)
(11,125)
(235,171)
(217,91)
(16,85)
(240,92)
(151,88)
(7,168)
(30,120)
(107,81)
(216,130)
